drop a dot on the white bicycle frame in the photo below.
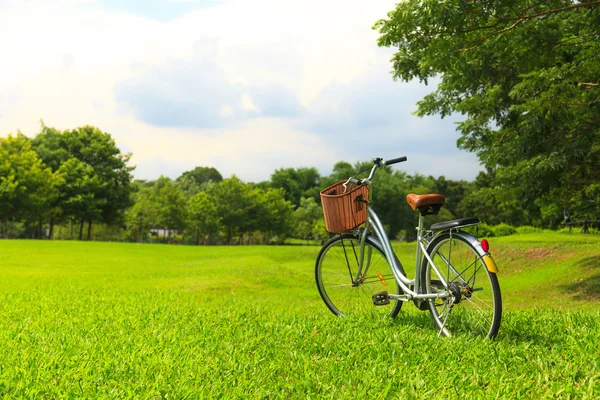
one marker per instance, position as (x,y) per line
(375,225)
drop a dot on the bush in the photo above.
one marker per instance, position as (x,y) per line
(484,230)
(522,230)
(504,230)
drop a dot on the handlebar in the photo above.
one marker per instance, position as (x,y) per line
(395,160)
(378,162)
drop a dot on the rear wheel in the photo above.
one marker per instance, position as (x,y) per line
(343,289)
(473,303)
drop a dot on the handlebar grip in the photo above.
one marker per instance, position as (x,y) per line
(395,160)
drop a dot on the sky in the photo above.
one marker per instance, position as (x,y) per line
(244,86)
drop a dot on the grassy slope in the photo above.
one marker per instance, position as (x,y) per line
(122,320)
(541,270)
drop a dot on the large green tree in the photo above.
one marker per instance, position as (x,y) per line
(80,190)
(27,186)
(526,76)
(98,152)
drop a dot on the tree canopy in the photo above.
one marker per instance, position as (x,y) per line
(526,76)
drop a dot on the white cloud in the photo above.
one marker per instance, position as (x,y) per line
(248,104)
(73,62)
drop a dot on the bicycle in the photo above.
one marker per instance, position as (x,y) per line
(357,271)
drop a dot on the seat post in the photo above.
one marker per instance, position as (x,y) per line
(417,285)
(421,224)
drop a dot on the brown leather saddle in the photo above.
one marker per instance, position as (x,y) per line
(429,204)
(426,204)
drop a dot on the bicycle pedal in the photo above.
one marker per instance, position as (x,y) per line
(381,298)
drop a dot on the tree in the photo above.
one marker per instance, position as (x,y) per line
(170,205)
(494,204)
(26,185)
(201,175)
(342,170)
(453,192)
(306,217)
(202,216)
(274,215)
(297,183)
(97,150)
(141,216)
(526,75)
(234,206)
(79,193)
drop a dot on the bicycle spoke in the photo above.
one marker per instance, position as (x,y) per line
(469,283)
(353,297)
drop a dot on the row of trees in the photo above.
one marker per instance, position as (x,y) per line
(80,177)
(212,209)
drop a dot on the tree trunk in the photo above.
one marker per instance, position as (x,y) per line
(197,237)
(141,235)
(89,235)
(40,226)
(51,233)
(81,230)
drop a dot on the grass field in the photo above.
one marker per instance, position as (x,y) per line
(113,320)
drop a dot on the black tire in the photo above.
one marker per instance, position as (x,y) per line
(475,303)
(337,263)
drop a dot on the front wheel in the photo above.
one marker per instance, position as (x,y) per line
(473,302)
(347,291)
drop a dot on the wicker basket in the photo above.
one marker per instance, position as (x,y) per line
(344,211)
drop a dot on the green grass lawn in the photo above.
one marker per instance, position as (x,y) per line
(114,320)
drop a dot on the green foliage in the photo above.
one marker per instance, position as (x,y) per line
(297,183)
(26,185)
(235,205)
(201,175)
(169,204)
(504,230)
(191,182)
(274,214)
(306,218)
(483,231)
(524,230)
(86,159)
(525,74)
(142,215)
(80,191)
(202,216)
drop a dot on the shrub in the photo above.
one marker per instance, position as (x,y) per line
(484,230)
(504,230)
(522,230)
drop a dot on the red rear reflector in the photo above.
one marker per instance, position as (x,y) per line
(485,245)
